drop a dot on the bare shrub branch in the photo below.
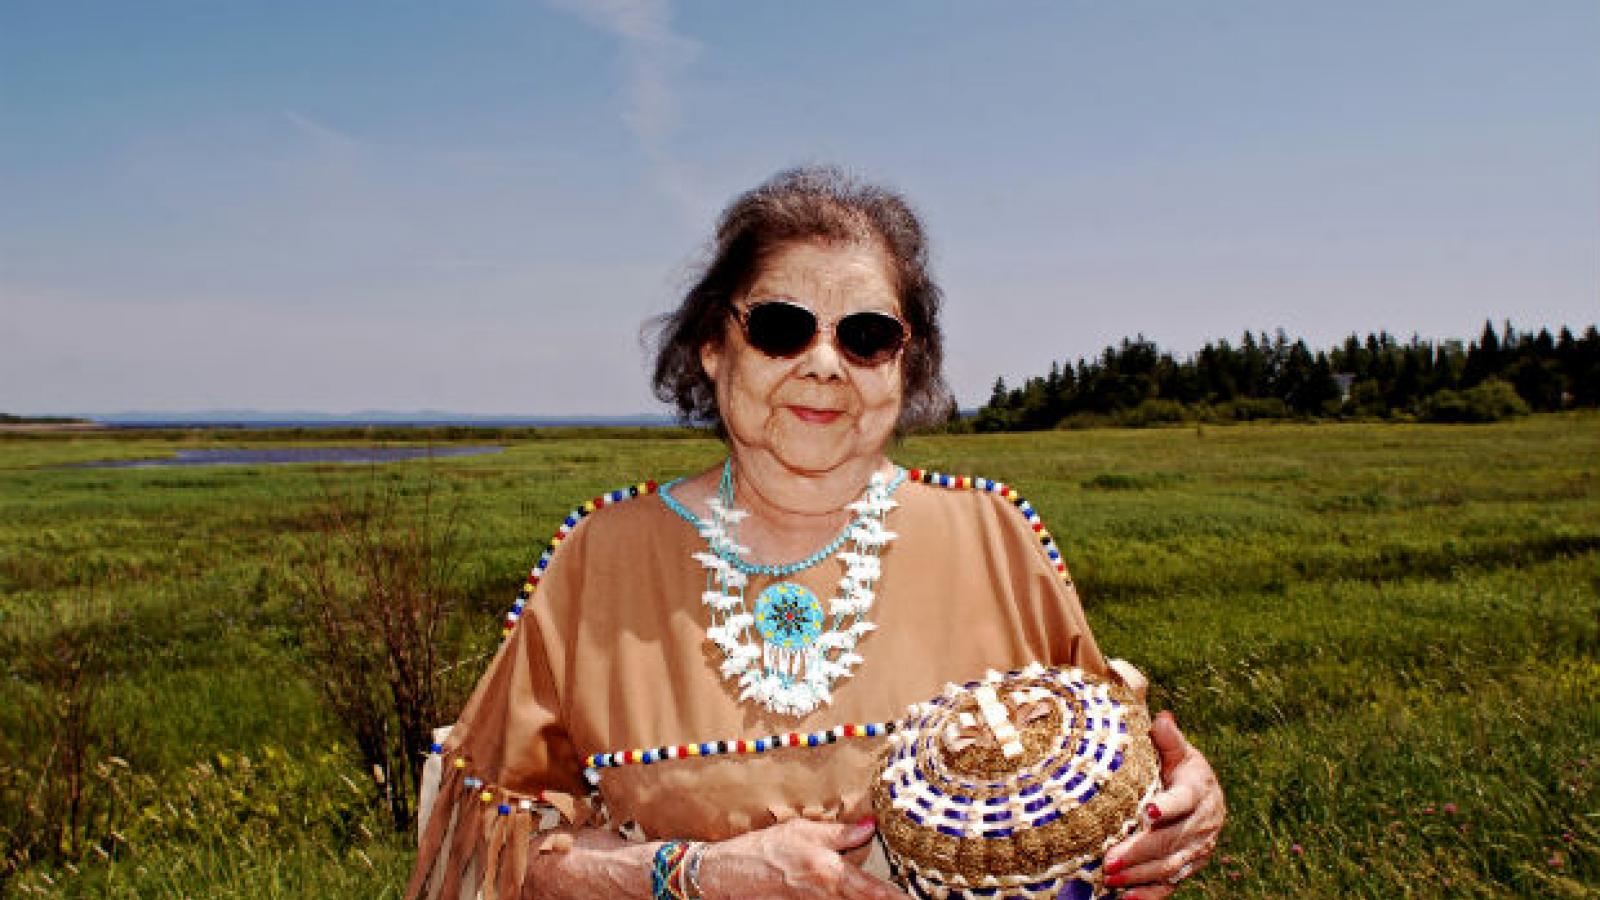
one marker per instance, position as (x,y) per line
(375,590)
(56,803)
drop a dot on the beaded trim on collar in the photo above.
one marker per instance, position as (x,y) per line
(536,574)
(643,488)
(964,483)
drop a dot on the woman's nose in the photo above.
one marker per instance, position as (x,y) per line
(822,360)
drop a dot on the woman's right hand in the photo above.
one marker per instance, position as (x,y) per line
(798,858)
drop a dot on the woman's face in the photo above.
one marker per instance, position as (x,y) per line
(816,411)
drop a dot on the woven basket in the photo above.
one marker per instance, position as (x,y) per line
(1015,786)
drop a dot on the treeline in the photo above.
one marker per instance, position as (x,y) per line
(1501,374)
(12,419)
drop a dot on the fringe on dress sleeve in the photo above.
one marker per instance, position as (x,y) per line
(510,778)
(474,847)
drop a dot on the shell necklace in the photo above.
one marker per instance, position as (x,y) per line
(786,651)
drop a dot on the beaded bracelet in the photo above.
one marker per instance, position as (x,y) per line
(666,871)
(691,871)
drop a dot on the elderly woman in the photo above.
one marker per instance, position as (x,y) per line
(750,627)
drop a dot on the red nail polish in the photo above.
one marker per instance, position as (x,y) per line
(1152,812)
(1116,880)
(866,822)
(1113,866)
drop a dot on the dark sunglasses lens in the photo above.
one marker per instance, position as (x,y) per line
(779,329)
(870,337)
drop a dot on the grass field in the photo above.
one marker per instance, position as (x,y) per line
(1386,638)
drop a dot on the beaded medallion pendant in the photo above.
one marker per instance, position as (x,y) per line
(789,648)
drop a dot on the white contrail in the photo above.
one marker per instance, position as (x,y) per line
(654,54)
(321,134)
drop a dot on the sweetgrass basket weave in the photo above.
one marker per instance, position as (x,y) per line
(1015,785)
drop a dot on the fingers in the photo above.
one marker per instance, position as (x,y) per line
(836,836)
(1146,848)
(1165,815)
(1166,853)
(1155,874)
(797,859)
(1181,821)
(1177,801)
(1169,741)
(848,881)
(1185,830)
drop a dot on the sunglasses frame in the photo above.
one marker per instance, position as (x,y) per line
(819,325)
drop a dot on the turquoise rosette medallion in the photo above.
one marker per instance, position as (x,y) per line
(788,616)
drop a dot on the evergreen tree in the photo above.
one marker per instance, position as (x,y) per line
(999,395)
(1483,358)
(1271,376)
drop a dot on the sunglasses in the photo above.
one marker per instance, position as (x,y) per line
(784,328)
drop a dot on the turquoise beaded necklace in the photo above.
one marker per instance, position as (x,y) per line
(788,648)
(725,493)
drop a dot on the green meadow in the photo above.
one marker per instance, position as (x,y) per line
(1386,637)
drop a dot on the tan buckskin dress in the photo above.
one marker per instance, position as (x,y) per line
(611,654)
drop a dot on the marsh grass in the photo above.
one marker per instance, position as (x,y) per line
(1385,637)
(376,591)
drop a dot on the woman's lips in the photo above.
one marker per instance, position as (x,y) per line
(814,416)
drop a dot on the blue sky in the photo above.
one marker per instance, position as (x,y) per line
(475,206)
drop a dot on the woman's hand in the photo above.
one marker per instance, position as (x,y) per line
(798,858)
(1183,821)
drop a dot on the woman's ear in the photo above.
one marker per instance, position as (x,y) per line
(711,358)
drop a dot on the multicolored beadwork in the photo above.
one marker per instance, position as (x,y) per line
(505,802)
(968,483)
(643,488)
(788,616)
(719,748)
(666,871)
(536,805)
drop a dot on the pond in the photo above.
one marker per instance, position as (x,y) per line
(285,455)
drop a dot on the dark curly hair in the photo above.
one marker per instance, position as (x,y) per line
(796,206)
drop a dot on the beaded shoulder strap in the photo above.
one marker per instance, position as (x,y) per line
(1007,492)
(579,512)
(503,801)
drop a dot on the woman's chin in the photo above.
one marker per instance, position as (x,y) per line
(809,461)
(814,449)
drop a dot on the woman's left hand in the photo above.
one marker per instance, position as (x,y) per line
(1182,821)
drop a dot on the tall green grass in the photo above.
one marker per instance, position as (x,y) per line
(1384,636)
